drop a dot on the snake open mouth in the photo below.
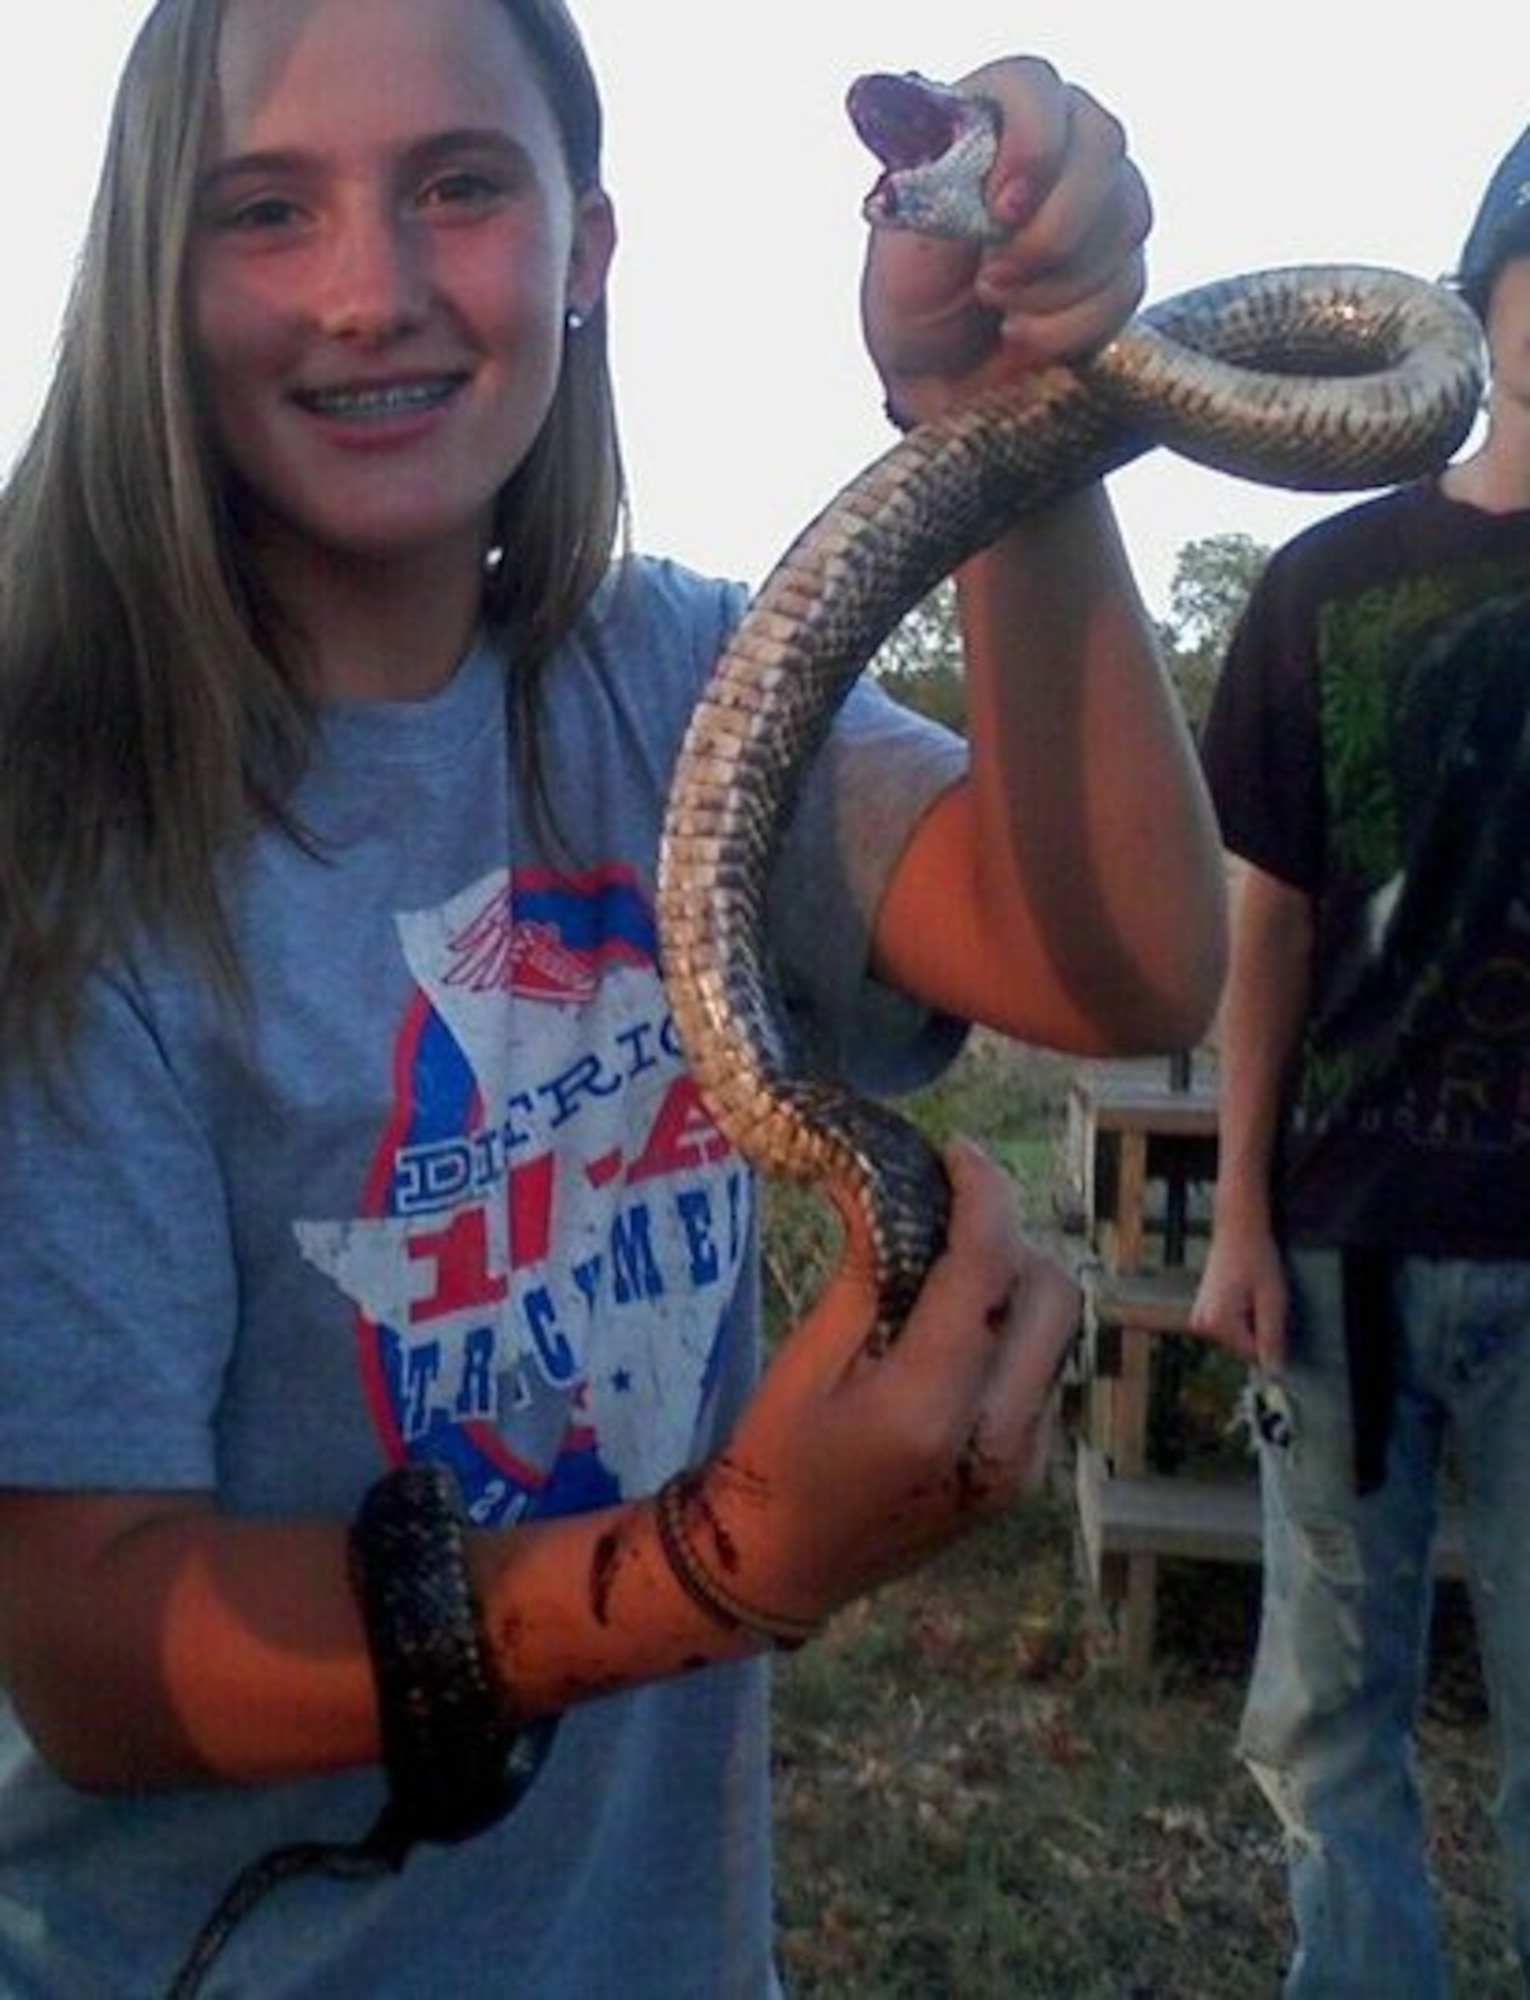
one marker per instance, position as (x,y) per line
(907,121)
(935,145)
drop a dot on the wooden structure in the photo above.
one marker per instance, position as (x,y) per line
(1143,1147)
(1142,1138)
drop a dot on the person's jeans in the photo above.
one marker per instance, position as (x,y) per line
(1328,1728)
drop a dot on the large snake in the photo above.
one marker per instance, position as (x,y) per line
(1322,378)
(1407,359)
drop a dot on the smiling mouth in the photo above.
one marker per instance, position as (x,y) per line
(376,402)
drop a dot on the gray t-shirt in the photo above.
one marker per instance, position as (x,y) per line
(443,1190)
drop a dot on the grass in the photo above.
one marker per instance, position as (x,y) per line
(975,1803)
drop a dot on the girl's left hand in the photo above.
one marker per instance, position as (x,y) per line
(847,1468)
(944,319)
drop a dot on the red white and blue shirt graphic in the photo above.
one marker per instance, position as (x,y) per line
(553,1227)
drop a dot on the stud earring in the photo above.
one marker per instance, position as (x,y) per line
(573,320)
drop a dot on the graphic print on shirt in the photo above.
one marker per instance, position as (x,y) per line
(554,1227)
(1427,745)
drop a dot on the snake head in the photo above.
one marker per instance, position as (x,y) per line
(936,145)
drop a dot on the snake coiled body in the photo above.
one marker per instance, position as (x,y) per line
(1327,379)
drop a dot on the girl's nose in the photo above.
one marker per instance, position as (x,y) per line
(375,285)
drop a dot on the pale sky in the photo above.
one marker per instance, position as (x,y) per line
(1308,132)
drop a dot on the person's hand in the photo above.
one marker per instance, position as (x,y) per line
(848,1469)
(1241,1301)
(944,319)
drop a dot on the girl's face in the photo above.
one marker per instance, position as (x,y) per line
(386,248)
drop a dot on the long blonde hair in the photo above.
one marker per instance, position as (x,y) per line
(147,720)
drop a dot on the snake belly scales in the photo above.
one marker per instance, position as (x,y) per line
(1323,378)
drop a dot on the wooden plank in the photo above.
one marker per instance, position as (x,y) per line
(1199,1520)
(1142,1097)
(1089,1477)
(1131,1186)
(1127,1583)
(1133,1580)
(1141,1301)
(1202,1520)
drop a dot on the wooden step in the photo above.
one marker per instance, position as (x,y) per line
(1141,1301)
(1199,1520)
(1144,1097)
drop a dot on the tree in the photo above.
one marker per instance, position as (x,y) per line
(921,664)
(1211,584)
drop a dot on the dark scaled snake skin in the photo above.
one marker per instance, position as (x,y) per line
(1320,378)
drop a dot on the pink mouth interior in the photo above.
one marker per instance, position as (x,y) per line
(902,121)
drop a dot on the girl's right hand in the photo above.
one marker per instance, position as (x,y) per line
(944,319)
(849,1468)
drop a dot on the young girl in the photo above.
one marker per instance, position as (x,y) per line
(343,1134)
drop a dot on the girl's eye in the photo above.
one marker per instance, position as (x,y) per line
(260,212)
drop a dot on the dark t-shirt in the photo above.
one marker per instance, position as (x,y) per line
(1367,745)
